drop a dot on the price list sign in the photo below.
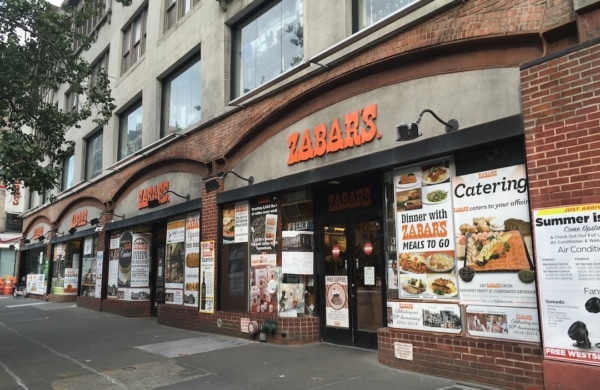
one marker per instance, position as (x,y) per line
(568,260)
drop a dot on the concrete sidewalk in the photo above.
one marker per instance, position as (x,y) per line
(46,345)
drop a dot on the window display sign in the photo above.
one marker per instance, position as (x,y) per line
(207,270)
(235,223)
(174,262)
(298,252)
(509,323)
(263,256)
(568,259)
(336,301)
(192,259)
(113,267)
(134,267)
(437,317)
(493,238)
(424,230)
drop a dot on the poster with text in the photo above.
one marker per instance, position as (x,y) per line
(424,230)
(140,262)
(99,265)
(568,259)
(175,255)
(192,260)
(125,249)
(493,238)
(507,323)
(207,271)
(71,276)
(241,221)
(437,317)
(113,267)
(336,302)
(297,252)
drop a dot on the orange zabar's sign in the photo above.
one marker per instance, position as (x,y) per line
(158,192)
(306,145)
(79,219)
(38,232)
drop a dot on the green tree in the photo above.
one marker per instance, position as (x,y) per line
(40,47)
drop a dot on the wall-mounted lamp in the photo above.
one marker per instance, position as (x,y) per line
(120,216)
(27,241)
(11,247)
(410,131)
(213,184)
(152,203)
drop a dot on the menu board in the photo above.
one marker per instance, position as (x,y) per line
(568,258)
(424,229)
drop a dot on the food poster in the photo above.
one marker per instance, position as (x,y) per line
(336,301)
(235,223)
(113,267)
(568,262)
(263,256)
(70,281)
(134,267)
(125,251)
(437,317)
(297,252)
(493,238)
(207,271)
(291,300)
(175,256)
(508,323)
(424,229)
(192,259)
(98,281)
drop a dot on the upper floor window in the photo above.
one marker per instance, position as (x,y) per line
(130,131)
(92,24)
(181,98)
(134,41)
(68,171)
(93,155)
(71,101)
(99,66)
(369,12)
(177,9)
(267,44)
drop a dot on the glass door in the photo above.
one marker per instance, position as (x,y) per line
(353,283)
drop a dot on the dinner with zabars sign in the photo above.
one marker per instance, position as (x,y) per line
(360,129)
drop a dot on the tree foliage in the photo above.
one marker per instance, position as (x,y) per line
(37,55)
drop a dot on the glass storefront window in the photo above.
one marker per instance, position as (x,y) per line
(88,267)
(65,268)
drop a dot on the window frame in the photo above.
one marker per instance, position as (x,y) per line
(133,49)
(248,49)
(358,21)
(178,9)
(167,82)
(71,101)
(68,172)
(90,172)
(101,64)
(131,109)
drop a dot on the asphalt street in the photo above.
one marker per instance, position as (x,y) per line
(45,345)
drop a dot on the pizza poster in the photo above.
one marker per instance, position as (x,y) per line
(568,259)
(437,317)
(336,302)
(493,238)
(424,231)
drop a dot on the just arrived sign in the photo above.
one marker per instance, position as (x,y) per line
(306,145)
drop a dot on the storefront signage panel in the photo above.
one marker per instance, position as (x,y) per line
(336,300)
(436,317)
(351,199)
(79,219)
(263,255)
(424,232)
(13,202)
(207,286)
(154,192)
(174,262)
(192,259)
(501,322)
(568,260)
(493,238)
(358,128)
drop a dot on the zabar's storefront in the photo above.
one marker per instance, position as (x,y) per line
(395,231)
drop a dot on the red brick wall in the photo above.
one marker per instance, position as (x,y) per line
(299,330)
(561,109)
(90,303)
(126,308)
(506,365)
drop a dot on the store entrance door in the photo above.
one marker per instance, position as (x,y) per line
(353,289)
